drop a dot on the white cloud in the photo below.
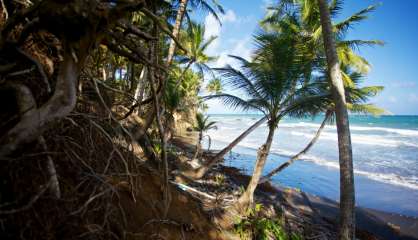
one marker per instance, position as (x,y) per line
(212,27)
(241,48)
(229,16)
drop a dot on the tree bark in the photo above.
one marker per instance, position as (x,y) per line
(60,105)
(139,92)
(198,146)
(183,73)
(247,197)
(200,172)
(158,109)
(297,156)
(347,193)
(27,104)
(176,30)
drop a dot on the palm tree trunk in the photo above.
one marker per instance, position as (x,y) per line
(199,145)
(176,30)
(247,197)
(297,156)
(183,73)
(199,173)
(347,194)
(139,92)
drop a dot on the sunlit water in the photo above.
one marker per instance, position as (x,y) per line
(385,153)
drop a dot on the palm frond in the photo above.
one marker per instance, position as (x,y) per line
(344,25)
(365,109)
(356,44)
(234,102)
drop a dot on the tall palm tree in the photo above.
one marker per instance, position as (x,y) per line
(182,11)
(328,39)
(347,193)
(202,125)
(285,24)
(273,84)
(194,41)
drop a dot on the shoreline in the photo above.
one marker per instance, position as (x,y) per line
(319,180)
(379,223)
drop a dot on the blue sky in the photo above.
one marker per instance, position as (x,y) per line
(394,66)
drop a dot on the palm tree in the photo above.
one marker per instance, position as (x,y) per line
(315,18)
(347,193)
(196,45)
(273,84)
(182,11)
(214,86)
(202,125)
(357,98)
(199,173)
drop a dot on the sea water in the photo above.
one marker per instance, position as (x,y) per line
(385,155)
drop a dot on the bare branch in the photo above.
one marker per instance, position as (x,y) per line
(133,29)
(62,102)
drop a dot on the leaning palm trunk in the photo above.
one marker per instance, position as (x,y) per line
(176,30)
(198,146)
(189,64)
(200,172)
(347,194)
(139,92)
(247,197)
(301,153)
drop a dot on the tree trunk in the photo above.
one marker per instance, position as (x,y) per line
(139,92)
(158,110)
(62,102)
(199,173)
(183,73)
(176,30)
(198,146)
(347,194)
(247,197)
(297,156)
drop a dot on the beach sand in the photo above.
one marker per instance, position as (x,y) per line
(371,224)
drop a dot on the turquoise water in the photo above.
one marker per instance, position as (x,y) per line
(385,155)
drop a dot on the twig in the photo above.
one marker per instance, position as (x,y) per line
(6,14)
(21,72)
(133,29)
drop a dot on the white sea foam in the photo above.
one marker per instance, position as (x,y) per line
(390,178)
(404,132)
(375,140)
(364,135)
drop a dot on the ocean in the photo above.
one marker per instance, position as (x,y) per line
(385,155)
